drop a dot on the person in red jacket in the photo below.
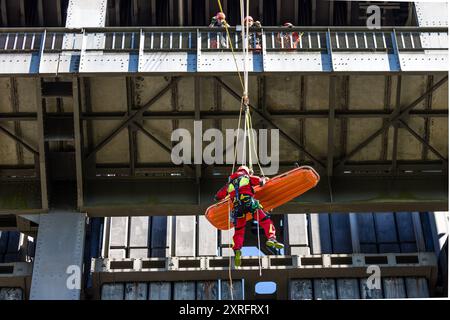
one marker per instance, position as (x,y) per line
(291,40)
(240,189)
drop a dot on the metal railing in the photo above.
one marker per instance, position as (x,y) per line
(169,41)
(53,42)
(295,40)
(215,39)
(121,41)
(361,41)
(20,42)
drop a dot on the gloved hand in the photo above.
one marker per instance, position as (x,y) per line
(264,181)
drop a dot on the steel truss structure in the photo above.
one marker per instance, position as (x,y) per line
(87,112)
(350,186)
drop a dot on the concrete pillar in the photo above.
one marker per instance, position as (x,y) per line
(185,236)
(86,13)
(320,233)
(207,238)
(296,231)
(58,263)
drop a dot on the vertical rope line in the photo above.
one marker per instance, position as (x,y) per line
(247,38)
(244,145)
(244,46)
(249,133)
(255,149)
(230,42)
(259,244)
(237,137)
(230,278)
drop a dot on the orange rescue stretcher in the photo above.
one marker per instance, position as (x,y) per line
(277,191)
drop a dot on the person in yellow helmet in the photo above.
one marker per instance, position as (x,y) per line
(240,189)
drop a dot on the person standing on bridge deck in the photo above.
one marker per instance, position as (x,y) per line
(240,189)
(218,21)
(258,36)
(291,40)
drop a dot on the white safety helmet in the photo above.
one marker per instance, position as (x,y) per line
(244,168)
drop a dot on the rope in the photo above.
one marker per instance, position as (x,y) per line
(254,148)
(235,151)
(248,127)
(244,145)
(231,45)
(230,278)
(259,244)
(246,51)
(237,138)
(244,47)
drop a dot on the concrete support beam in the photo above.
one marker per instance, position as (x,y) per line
(58,276)
(185,236)
(354,194)
(86,13)
(296,230)
(207,238)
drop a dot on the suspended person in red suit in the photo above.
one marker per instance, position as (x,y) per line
(244,202)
